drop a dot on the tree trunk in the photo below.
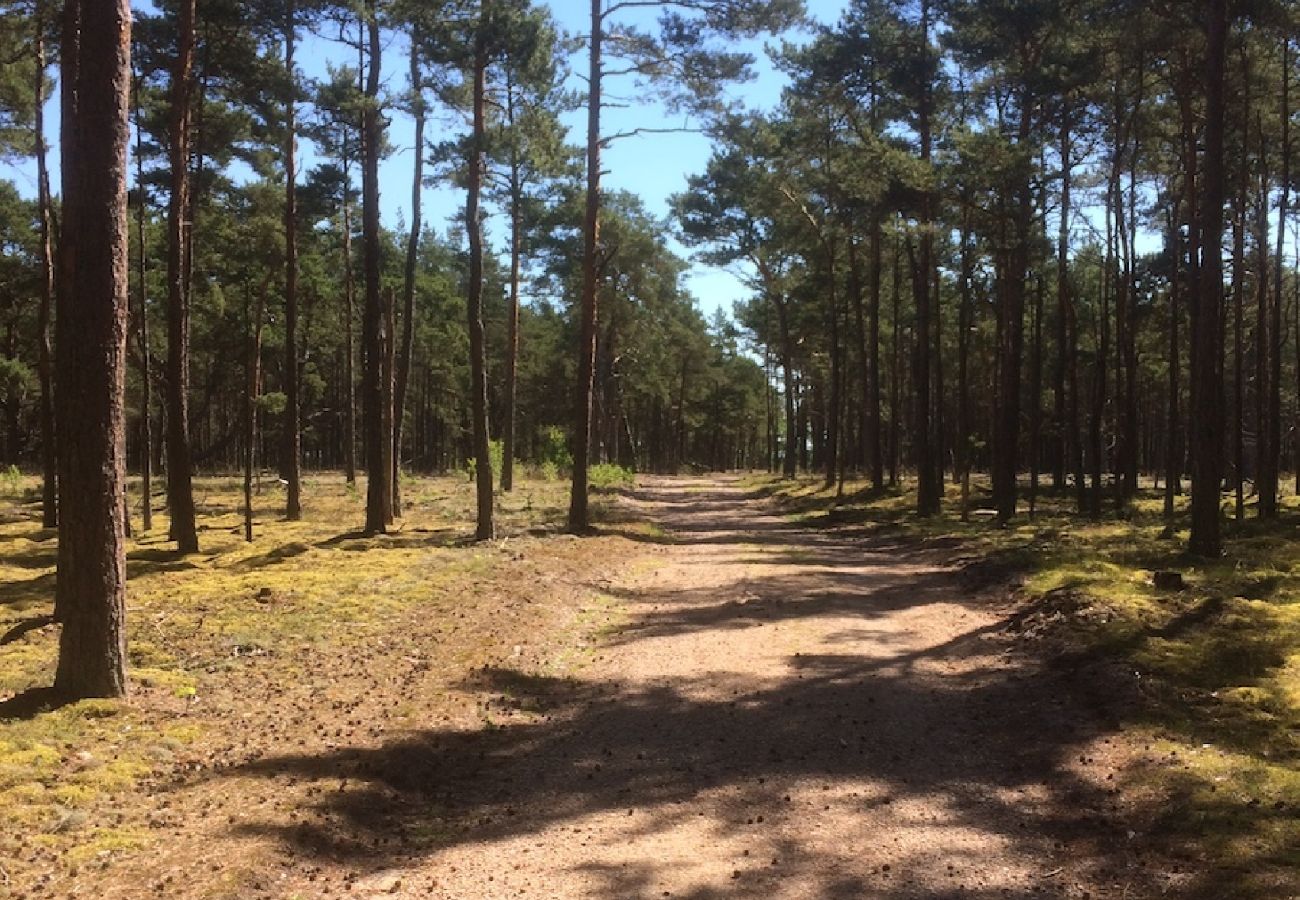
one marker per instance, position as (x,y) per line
(1265,339)
(408,277)
(349,305)
(142,335)
(895,378)
(254,373)
(1207,380)
(375,334)
(578,520)
(474,305)
(508,449)
(180,489)
(92,323)
(1172,447)
(1275,358)
(875,454)
(45,354)
(292,459)
(927,493)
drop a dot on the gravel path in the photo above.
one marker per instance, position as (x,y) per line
(779,713)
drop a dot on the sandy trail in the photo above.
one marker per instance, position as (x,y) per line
(781,713)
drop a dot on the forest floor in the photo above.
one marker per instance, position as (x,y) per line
(737,687)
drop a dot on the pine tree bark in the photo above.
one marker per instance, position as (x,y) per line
(474,306)
(408,276)
(180,488)
(253,369)
(45,349)
(581,444)
(92,324)
(375,334)
(349,341)
(1275,312)
(927,495)
(142,334)
(292,464)
(1207,376)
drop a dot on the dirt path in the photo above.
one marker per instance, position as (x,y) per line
(752,709)
(780,713)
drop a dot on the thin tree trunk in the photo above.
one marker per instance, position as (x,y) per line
(142,335)
(1172,448)
(1265,340)
(91,588)
(180,489)
(375,326)
(254,373)
(927,494)
(292,458)
(875,453)
(474,306)
(408,278)
(578,520)
(1035,398)
(1275,377)
(895,380)
(508,449)
(349,361)
(1239,300)
(1207,380)
(45,350)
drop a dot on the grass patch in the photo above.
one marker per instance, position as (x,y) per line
(194,622)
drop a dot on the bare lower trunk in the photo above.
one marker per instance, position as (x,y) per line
(578,518)
(180,489)
(292,413)
(376,339)
(408,280)
(45,350)
(474,307)
(92,323)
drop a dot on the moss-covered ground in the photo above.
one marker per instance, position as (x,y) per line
(244,648)
(1215,667)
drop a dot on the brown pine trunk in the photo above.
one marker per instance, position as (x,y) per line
(45,350)
(927,494)
(1060,437)
(375,334)
(92,323)
(1172,444)
(253,369)
(1275,358)
(875,454)
(142,335)
(1207,379)
(408,277)
(896,367)
(349,348)
(1035,397)
(474,306)
(180,489)
(508,449)
(292,464)
(578,519)
(1265,338)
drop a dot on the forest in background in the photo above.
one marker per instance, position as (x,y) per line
(1013,237)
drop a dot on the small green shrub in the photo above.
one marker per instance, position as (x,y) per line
(11,482)
(496,453)
(605,476)
(548,471)
(553,448)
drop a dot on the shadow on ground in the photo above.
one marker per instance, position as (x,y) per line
(976,738)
